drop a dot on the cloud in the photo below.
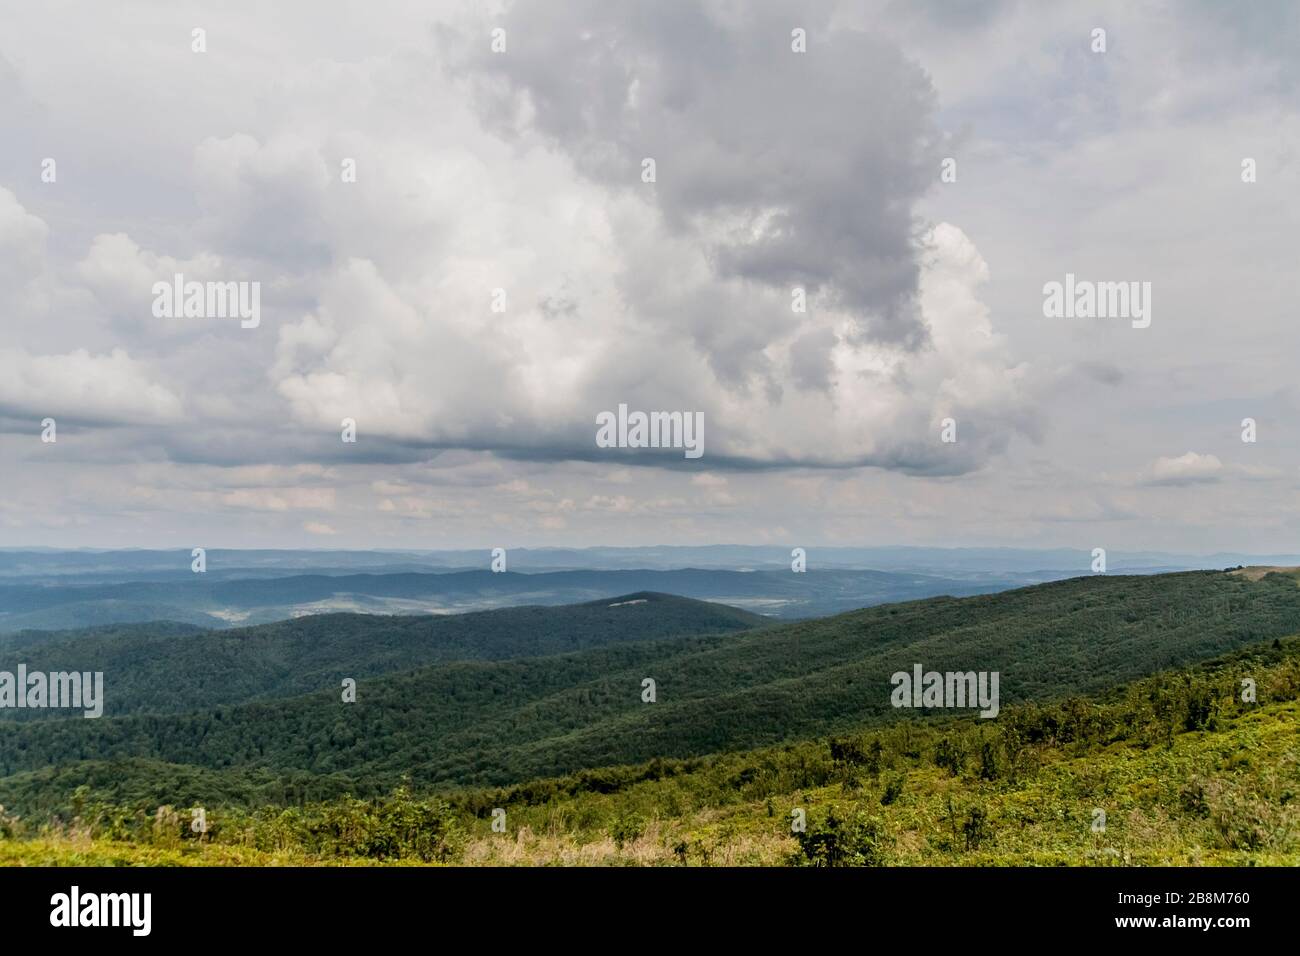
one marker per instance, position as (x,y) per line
(825,203)
(264,201)
(83,388)
(22,242)
(675,297)
(427,377)
(121,275)
(278,499)
(1188,469)
(521,171)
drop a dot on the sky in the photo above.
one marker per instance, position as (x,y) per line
(446,211)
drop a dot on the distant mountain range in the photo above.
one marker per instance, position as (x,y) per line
(48,589)
(139,564)
(197,599)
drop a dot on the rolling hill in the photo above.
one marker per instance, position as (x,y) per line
(494,722)
(216,601)
(1174,769)
(168,668)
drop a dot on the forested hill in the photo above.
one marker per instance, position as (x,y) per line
(500,721)
(167,668)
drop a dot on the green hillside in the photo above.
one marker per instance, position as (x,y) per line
(166,668)
(480,722)
(1175,769)
(26,640)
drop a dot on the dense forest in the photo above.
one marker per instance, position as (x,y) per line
(495,722)
(1180,768)
(168,668)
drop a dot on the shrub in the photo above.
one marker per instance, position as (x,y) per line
(988,761)
(976,828)
(391,828)
(893,789)
(842,838)
(628,826)
(949,756)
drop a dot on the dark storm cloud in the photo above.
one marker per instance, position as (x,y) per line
(792,169)
(810,366)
